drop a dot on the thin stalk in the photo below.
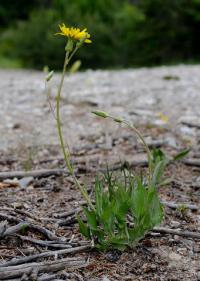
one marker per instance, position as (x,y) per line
(143,142)
(66,152)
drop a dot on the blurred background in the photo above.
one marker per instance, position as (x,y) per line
(125,33)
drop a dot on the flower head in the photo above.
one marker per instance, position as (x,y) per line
(74,33)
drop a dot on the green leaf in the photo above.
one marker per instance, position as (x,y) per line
(138,202)
(158,172)
(158,155)
(136,234)
(119,243)
(91,218)
(98,197)
(83,228)
(181,155)
(108,217)
(166,181)
(155,208)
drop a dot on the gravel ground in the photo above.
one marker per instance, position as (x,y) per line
(137,94)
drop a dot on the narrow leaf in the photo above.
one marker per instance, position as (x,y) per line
(83,228)
(181,155)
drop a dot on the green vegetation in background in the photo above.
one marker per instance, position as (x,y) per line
(125,33)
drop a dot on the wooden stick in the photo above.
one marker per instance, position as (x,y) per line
(51,244)
(173,205)
(14,229)
(67,214)
(192,162)
(47,233)
(45,255)
(45,277)
(7,272)
(34,173)
(183,233)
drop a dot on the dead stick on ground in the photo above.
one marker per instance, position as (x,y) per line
(45,277)
(14,229)
(51,244)
(192,162)
(183,233)
(47,233)
(67,214)
(50,266)
(45,255)
(173,205)
(34,173)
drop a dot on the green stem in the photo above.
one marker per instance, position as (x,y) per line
(66,153)
(142,140)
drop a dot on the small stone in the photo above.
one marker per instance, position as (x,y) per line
(175,224)
(25,182)
(191,253)
(182,251)
(176,238)
(113,256)
(175,257)
(146,267)
(105,278)
(16,126)
(17,205)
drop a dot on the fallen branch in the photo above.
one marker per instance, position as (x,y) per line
(47,233)
(192,162)
(51,244)
(7,272)
(34,173)
(17,261)
(183,233)
(179,205)
(68,221)
(10,218)
(67,214)
(14,229)
(45,277)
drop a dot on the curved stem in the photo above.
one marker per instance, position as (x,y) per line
(66,152)
(129,125)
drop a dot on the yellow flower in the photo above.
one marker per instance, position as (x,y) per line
(163,117)
(74,33)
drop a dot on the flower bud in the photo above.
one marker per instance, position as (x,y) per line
(75,66)
(80,43)
(118,119)
(49,76)
(101,113)
(70,45)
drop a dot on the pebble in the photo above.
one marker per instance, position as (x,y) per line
(113,256)
(177,238)
(25,182)
(105,278)
(182,251)
(175,257)
(175,224)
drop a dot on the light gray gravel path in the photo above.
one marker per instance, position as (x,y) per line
(138,94)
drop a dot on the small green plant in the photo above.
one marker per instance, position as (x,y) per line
(126,207)
(182,211)
(160,161)
(124,212)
